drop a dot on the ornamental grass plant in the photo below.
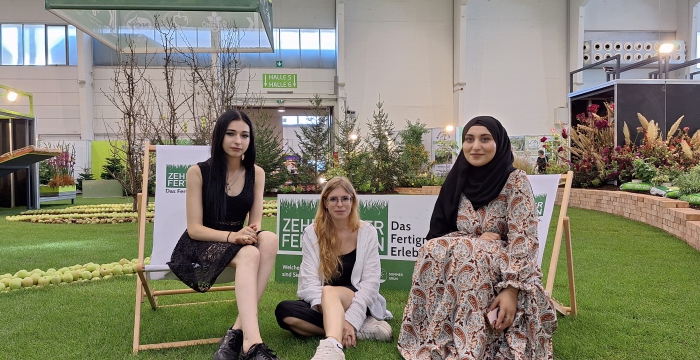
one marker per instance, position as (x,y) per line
(596,161)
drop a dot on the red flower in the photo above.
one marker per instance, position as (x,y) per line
(560,149)
(564,133)
(686,129)
(543,139)
(593,108)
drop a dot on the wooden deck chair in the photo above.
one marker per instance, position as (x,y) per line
(545,189)
(169,223)
(563,227)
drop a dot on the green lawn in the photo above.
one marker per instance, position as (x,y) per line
(637,290)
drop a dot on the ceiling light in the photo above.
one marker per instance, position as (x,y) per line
(449,128)
(666,48)
(12,96)
(280,109)
(353,137)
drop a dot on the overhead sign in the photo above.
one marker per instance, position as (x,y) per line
(279,81)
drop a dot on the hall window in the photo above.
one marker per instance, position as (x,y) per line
(299,120)
(297,48)
(38,44)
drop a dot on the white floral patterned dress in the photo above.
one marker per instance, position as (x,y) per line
(457,276)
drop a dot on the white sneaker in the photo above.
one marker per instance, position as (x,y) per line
(373,329)
(326,350)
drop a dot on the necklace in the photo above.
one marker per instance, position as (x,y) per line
(235,178)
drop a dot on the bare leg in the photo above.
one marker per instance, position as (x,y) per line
(334,301)
(267,245)
(303,328)
(246,262)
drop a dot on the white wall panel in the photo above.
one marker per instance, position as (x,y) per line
(26,11)
(610,15)
(516,62)
(304,14)
(401,51)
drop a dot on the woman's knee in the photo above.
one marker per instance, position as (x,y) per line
(247,255)
(328,292)
(282,311)
(267,243)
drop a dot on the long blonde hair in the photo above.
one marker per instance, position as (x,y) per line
(328,242)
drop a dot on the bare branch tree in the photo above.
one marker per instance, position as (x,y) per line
(169,124)
(214,82)
(130,93)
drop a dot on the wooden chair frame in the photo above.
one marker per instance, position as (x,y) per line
(563,227)
(144,288)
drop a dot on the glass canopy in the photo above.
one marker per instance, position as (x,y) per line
(191,25)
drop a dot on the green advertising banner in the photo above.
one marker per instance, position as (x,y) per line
(280,81)
(402,221)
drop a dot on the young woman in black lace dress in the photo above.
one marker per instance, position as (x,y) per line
(221,192)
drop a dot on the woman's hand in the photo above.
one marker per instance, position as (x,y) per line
(507,300)
(490,236)
(246,236)
(348,335)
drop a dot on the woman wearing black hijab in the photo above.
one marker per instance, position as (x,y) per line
(481,255)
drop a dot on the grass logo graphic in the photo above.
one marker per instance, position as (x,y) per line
(540,201)
(295,215)
(384,276)
(376,212)
(175,179)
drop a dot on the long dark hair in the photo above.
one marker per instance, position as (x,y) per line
(215,194)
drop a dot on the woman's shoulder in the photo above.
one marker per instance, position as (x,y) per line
(517,182)
(259,172)
(310,229)
(366,226)
(518,176)
(366,229)
(195,170)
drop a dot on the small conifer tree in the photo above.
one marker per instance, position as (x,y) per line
(269,154)
(383,151)
(314,146)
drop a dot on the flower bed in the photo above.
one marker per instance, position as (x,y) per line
(672,216)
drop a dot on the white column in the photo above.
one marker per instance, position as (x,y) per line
(85,87)
(577,17)
(459,65)
(692,43)
(340,55)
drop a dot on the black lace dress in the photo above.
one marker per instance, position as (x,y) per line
(199,263)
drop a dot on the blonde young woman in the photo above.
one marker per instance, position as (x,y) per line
(339,278)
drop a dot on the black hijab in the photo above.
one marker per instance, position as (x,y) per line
(480,184)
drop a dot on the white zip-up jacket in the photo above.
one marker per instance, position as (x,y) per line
(365,276)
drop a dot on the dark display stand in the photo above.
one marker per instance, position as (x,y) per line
(661,100)
(16,183)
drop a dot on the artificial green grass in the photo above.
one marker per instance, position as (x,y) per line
(637,290)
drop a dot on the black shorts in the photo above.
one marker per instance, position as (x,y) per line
(302,310)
